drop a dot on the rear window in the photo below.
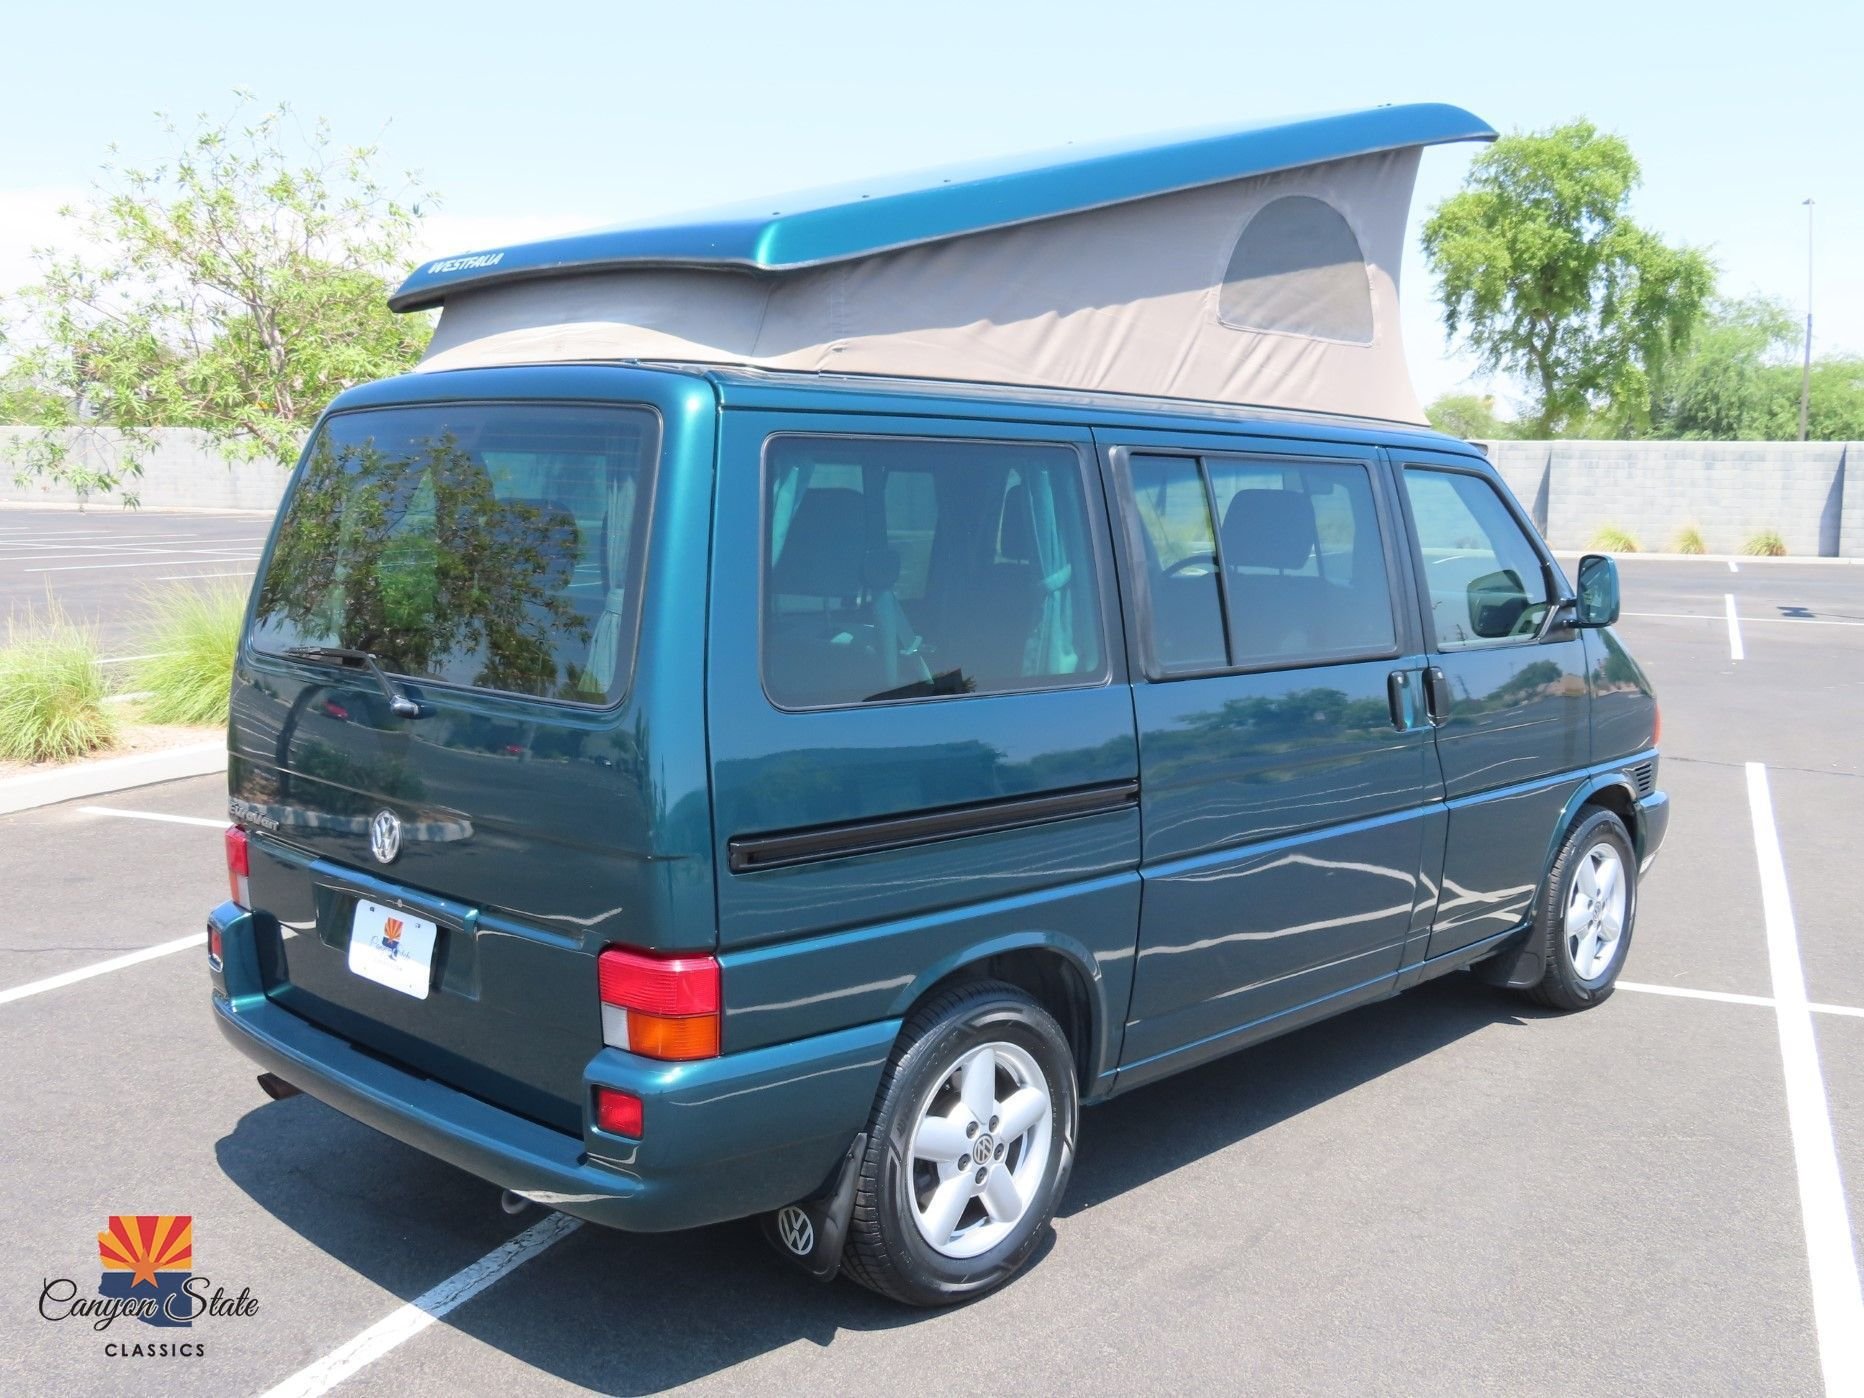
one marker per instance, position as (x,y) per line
(489,545)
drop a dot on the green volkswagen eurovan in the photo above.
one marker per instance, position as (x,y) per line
(781,711)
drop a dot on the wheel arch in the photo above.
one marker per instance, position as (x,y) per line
(1054,969)
(1611,791)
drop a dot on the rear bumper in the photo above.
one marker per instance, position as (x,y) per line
(723,1138)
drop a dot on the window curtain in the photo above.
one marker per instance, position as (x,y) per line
(1051,647)
(792,481)
(617,530)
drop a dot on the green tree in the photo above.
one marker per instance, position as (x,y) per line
(1469,416)
(1837,403)
(1548,280)
(236,287)
(1739,380)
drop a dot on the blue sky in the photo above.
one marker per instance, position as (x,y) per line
(534,120)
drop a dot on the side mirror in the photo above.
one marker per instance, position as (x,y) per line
(1597,604)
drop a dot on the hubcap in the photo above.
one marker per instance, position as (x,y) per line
(980,1144)
(1595,911)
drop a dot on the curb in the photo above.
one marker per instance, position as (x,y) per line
(101,777)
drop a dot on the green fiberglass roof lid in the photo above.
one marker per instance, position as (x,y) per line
(785,232)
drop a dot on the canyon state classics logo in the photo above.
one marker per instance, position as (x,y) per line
(147,1271)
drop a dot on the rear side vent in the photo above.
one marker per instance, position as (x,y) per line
(1644,777)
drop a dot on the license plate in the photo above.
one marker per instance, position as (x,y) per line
(392,948)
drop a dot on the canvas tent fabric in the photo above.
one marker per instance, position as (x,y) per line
(1276,289)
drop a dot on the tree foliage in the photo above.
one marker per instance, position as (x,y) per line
(235,287)
(1739,380)
(1469,416)
(1548,280)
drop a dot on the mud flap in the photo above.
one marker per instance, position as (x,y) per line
(1515,969)
(811,1232)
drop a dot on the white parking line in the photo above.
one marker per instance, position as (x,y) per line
(424,1310)
(115,963)
(1733,566)
(1837,1303)
(1734,628)
(1729,998)
(152,815)
(189,577)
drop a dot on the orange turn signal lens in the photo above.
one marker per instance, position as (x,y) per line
(671,1036)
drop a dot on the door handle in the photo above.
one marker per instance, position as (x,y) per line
(1401,691)
(1437,695)
(1406,701)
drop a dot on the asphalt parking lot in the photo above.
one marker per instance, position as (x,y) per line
(94,564)
(1450,1192)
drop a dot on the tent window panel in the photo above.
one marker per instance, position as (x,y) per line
(1297,269)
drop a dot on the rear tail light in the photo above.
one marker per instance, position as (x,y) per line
(1656,724)
(239,870)
(660,1006)
(215,948)
(618,1112)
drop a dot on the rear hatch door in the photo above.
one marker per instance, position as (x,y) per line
(441,884)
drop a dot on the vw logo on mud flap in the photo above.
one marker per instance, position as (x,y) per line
(385,836)
(797,1232)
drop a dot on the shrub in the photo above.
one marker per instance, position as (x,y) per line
(1611,539)
(1766,544)
(1689,540)
(51,691)
(191,636)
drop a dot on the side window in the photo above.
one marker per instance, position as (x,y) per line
(1303,563)
(1173,510)
(1481,573)
(911,569)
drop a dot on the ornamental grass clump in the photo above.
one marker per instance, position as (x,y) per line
(1689,540)
(1611,539)
(190,637)
(1766,544)
(51,691)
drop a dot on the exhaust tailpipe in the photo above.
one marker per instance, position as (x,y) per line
(512,1202)
(276,1087)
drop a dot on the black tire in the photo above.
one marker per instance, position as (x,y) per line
(886,1251)
(1561,986)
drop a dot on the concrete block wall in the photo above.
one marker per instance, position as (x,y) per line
(1812,492)
(181,472)
(1728,490)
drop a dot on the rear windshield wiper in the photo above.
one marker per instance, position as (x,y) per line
(398,699)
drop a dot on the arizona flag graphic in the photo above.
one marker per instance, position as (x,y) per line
(149,1256)
(391,936)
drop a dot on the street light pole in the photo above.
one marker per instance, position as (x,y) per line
(1805,372)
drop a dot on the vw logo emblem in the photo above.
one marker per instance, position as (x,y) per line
(385,836)
(797,1232)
